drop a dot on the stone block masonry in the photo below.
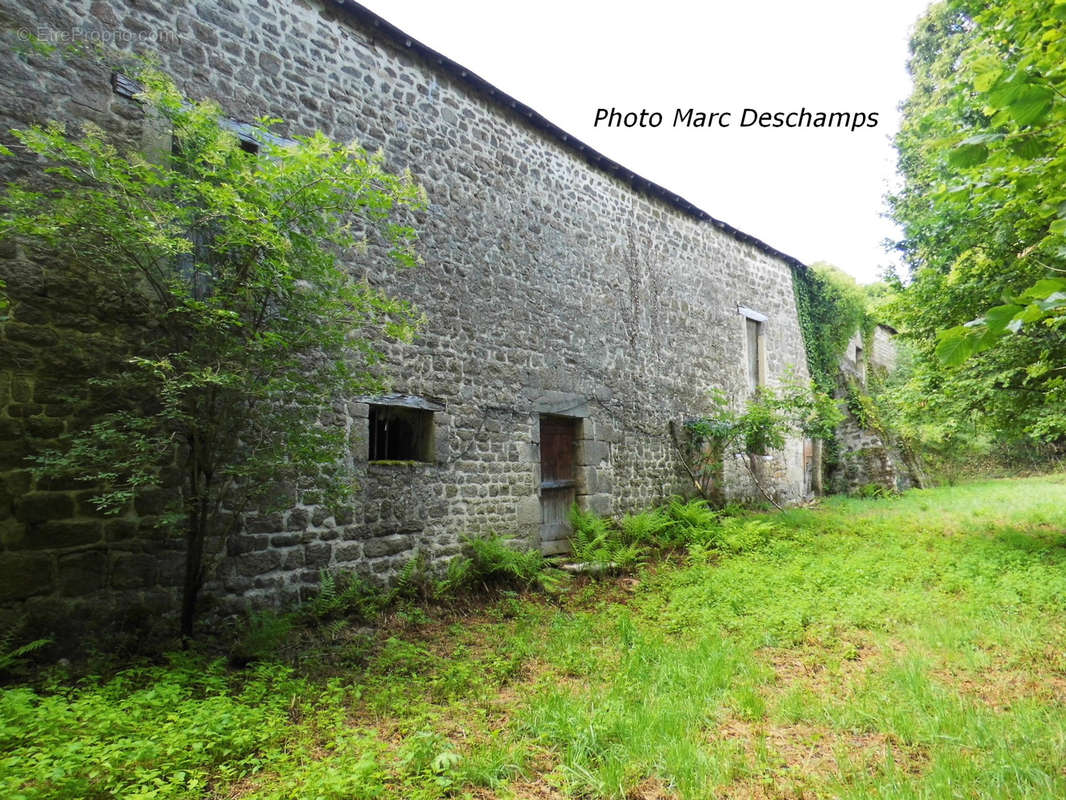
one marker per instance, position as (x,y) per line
(551,286)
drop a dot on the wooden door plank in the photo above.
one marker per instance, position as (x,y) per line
(558,439)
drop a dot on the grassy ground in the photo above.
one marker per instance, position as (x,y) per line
(893,648)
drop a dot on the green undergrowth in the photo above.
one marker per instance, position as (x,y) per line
(904,647)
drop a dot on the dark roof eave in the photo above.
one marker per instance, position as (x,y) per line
(594,158)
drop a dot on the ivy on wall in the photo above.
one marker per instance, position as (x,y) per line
(831,308)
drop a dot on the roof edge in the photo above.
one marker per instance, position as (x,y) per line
(594,158)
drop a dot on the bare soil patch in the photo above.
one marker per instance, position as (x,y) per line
(793,759)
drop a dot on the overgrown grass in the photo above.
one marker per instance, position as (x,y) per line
(899,647)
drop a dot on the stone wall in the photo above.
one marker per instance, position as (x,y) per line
(867,458)
(549,287)
(884,349)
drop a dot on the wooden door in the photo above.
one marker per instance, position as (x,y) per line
(558,443)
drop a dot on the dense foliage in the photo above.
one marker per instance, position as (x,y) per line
(982,152)
(255,325)
(831,308)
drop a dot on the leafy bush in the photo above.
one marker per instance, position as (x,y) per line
(155,733)
(431,757)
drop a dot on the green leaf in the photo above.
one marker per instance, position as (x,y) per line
(1028,147)
(986,80)
(1031,313)
(997,318)
(1006,94)
(1043,288)
(1058,227)
(968,155)
(1031,106)
(956,345)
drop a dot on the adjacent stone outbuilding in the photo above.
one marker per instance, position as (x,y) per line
(868,459)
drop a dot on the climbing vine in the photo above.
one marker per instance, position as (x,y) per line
(831,308)
(863,408)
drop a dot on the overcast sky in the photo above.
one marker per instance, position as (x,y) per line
(816,194)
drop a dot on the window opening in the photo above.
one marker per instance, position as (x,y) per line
(400,434)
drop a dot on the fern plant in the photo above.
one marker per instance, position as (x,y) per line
(694,520)
(600,545)
(648,528)
(492,559)
(12,655)
(342,595)
(742,535)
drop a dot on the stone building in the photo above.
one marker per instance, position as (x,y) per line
(572,309)
(868,458)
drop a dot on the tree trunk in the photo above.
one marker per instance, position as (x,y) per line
(754,464)
(910,460)
(195,536)
(716,492)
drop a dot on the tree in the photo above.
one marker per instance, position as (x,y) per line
(254,329)
(983,154)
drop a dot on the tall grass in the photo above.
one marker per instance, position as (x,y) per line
(904,647)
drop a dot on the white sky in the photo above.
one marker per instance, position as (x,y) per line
(815,194)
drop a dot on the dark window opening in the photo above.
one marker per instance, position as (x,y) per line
(400,434)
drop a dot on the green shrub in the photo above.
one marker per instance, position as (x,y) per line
(147,733)
(431,757)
